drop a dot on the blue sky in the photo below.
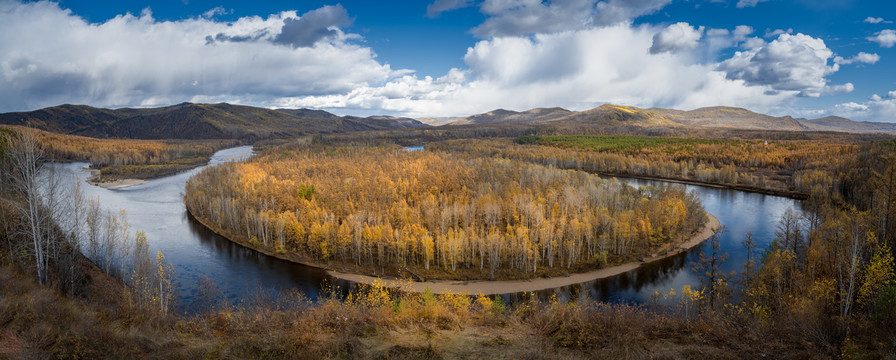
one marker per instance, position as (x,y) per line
(454,57)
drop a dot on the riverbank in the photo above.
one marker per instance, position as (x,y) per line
(114,184)
(486,287)
(753,189)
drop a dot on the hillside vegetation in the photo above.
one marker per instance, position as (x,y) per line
(716,117)
(824,288)
(794,168)
(433,213)
(195,121)
(119,158)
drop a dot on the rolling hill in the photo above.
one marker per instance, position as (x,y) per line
(197,121)
(707,117)
(501,116)
(730,117)
(836,123)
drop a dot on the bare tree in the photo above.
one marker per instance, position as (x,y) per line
(26,158)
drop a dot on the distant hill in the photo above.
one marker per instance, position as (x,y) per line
(730,117)
(196,121)
(501,116)
(707,117)
(836,123)
(617,115)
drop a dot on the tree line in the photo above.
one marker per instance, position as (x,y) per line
(434,212)
(801,167)
(49,227)
(126,158)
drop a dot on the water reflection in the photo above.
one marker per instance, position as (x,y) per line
(739,211)
(195,252)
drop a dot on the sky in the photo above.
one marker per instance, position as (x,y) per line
(450,58)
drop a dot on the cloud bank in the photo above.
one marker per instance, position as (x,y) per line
(576,54)
(51,56)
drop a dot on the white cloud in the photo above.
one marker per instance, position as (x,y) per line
(876,20)
(777,32)
(789,63)
(748,3)
(220,10)
(838,89)
(852,107)
(861,57)
(677,37)
(49,56)
(522,17)
(876,108)
(588,68)
(741,32)
(886,38)
(440,6)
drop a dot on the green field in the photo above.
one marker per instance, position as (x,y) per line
(619,143)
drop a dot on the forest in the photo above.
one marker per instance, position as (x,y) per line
(126,158)
(436,214)
(793,168)
(824,288)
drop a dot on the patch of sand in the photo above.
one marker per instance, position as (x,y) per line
(117,184)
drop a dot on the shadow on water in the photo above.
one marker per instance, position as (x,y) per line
(270,273)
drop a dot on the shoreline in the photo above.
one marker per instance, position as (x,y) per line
(487,287)
(115,184)
(745,188)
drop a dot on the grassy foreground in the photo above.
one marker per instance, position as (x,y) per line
(372,322)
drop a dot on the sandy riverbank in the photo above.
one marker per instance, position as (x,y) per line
(94,173)
(513,286)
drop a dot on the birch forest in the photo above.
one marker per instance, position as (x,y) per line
(445,215)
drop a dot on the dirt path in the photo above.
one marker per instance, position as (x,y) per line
(513,286)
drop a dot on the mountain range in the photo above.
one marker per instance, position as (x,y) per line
(197,121)
(227,121)
(707,117)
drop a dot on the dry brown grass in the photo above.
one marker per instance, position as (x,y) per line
(372,323)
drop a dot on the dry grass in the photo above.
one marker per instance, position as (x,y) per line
(372,323)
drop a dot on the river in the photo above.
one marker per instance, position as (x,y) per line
(155,207)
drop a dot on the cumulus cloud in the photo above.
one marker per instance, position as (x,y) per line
(861,57)
(741,32)
(777,32)
(440,6)
(789,63)
(57,57)
(615,11)
(313,26)
(589,67)
(886,38)
(677,37)
(523,17)
(877,108)
(876,20)
(748,3)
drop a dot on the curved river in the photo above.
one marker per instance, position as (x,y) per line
(155,207)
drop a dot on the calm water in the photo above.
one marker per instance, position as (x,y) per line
(738,211)
(155,207)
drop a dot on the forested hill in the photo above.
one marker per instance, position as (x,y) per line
(196,121)
(708,117)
